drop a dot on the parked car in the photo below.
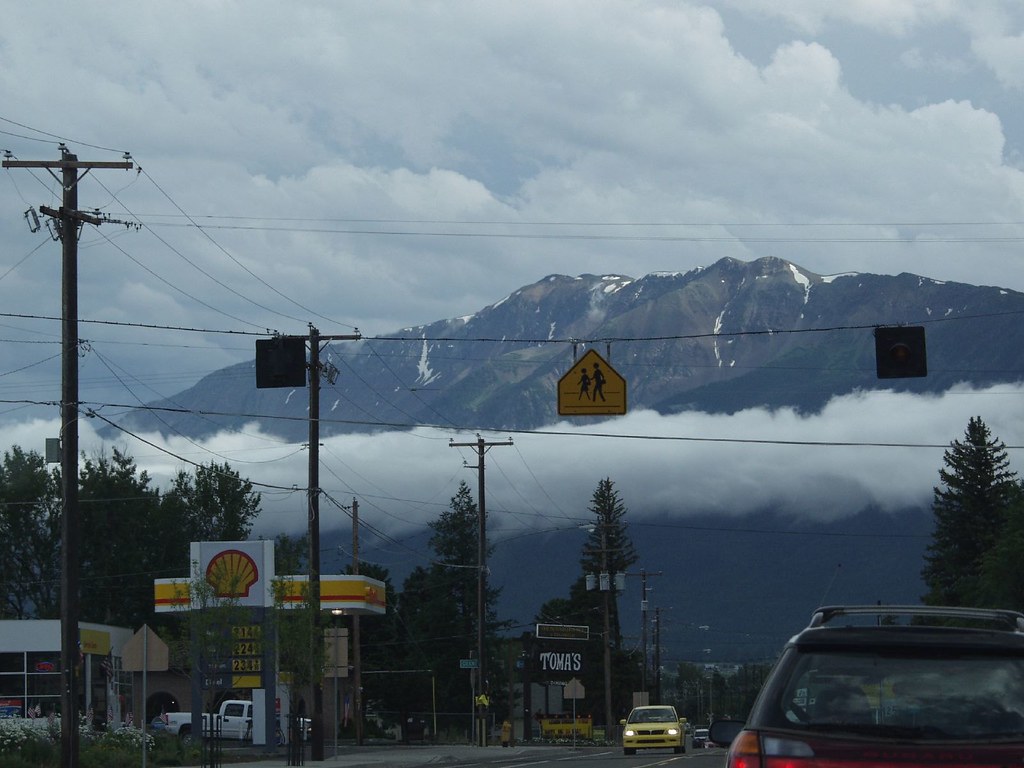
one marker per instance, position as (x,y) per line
(907,685)
(652,727)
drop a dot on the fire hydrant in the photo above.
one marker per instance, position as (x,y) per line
(506,733)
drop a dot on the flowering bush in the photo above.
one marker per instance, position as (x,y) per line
(29,741)
(16,732)
(128,738)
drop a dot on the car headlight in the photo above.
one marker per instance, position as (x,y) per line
(673,731)
(629,732)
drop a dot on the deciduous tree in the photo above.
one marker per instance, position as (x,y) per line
(29,537)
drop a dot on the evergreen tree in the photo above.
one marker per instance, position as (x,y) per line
(971,510)
(1002,570)
(438,605)
(609,548)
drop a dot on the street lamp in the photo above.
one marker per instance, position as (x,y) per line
(337,613)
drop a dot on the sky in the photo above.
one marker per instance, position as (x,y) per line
(386,164)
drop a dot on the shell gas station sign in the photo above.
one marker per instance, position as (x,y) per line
(242,572)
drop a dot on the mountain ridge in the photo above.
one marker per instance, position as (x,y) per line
(718,339)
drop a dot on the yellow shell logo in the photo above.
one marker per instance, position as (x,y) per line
(232,573)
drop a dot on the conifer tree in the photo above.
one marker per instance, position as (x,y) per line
(971,509)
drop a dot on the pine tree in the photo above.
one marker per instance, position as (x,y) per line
(610,551)
(971,509)
(609,548)
(438,604)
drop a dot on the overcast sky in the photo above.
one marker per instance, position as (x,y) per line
(378,165)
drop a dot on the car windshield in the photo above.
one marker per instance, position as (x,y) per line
(653,715)
(938,696)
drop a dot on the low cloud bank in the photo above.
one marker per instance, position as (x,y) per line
(878,449)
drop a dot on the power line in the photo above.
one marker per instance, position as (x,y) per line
(545,340)
(403,426)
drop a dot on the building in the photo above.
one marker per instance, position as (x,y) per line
(30,671)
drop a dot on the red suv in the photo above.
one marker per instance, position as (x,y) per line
(907,686)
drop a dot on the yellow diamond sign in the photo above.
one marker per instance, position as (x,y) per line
(591,388)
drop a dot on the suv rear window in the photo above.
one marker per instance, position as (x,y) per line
(941,694)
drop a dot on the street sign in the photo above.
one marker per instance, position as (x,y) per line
(591,388)
(563,632)
(469,663)
(574,690)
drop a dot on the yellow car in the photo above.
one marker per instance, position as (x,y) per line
(653,727)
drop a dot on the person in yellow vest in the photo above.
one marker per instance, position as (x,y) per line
(506,733)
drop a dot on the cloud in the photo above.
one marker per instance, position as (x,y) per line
(390,164)
(878,449)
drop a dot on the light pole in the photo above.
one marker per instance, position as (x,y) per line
(337,613)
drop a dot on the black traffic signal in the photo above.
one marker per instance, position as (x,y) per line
(900,352)
(281,362)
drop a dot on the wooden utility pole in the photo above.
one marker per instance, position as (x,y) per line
(481,447)
(357,663)
(313,493)
(69,219)
(643,625)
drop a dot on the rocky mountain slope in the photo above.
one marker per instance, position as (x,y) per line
(719,339)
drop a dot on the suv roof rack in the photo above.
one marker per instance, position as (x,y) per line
(1011,620)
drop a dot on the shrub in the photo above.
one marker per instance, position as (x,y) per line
(28,743)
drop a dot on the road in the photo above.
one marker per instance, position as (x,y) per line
(461,756)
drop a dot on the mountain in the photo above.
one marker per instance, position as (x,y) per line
(719,339)
(727,337)
(751,581)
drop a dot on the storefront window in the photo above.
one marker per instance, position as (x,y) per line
(12,662)
(12,685)
(44,685)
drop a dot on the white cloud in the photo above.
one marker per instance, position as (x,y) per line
(388,164)
(878,449)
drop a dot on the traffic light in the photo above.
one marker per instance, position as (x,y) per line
(281,362)
(900,352)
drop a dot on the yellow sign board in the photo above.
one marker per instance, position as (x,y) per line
(591,388)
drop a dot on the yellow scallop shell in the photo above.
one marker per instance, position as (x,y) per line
(232,573)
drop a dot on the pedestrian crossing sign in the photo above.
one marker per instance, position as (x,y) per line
(591,388)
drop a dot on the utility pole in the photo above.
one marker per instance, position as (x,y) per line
(657,656)
(69,220)
(313,494)
(357,665)
(481,447)
(643,624)
(606,589)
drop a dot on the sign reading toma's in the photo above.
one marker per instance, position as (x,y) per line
(557,661)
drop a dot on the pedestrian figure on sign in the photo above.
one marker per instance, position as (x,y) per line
(584,385)
(598,383)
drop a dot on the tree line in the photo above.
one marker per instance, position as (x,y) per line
(133,533)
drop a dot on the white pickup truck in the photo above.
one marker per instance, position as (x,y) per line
(232,721)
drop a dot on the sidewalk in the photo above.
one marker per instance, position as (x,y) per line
(400,755)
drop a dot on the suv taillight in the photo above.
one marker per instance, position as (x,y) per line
(745,751)
(751,749)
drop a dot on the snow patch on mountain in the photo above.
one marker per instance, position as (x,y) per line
(426,374)
(801,279)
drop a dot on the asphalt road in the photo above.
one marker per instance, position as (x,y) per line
(463,756)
